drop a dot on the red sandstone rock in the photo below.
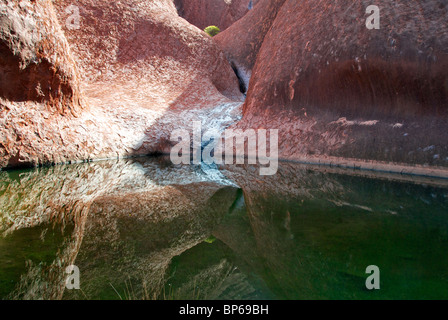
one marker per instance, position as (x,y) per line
(140,66)
(204,13)
(35,60)
(321,54)
(242,41)
(334,87)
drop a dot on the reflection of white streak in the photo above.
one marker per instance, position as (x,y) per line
(345,122)
(392,212)
(342,203)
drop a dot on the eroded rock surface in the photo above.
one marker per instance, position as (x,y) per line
(36,64)
(333,87)
(243,40)
(119,82)
(140,66)
(222,13)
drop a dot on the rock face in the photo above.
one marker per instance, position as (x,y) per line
(35,60)
(38,78)
(243,40)
(140,66)
(222,13)
(101,80)
(336,88)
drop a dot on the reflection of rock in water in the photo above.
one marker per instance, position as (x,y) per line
(130,240)
(221,281)
(128,221)
(310,234)
(212,271)
(136,227)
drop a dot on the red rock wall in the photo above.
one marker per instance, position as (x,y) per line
(117,43)
(140,66)
(243,40)
(321,54)
(221,13)
(332,87)
(335,88)
(35,60)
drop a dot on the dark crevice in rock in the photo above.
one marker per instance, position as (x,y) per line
(243,87)
(179,7)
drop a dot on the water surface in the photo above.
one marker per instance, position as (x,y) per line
(146,229)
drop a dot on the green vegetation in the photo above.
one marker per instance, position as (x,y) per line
(212,30)
(210,239)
